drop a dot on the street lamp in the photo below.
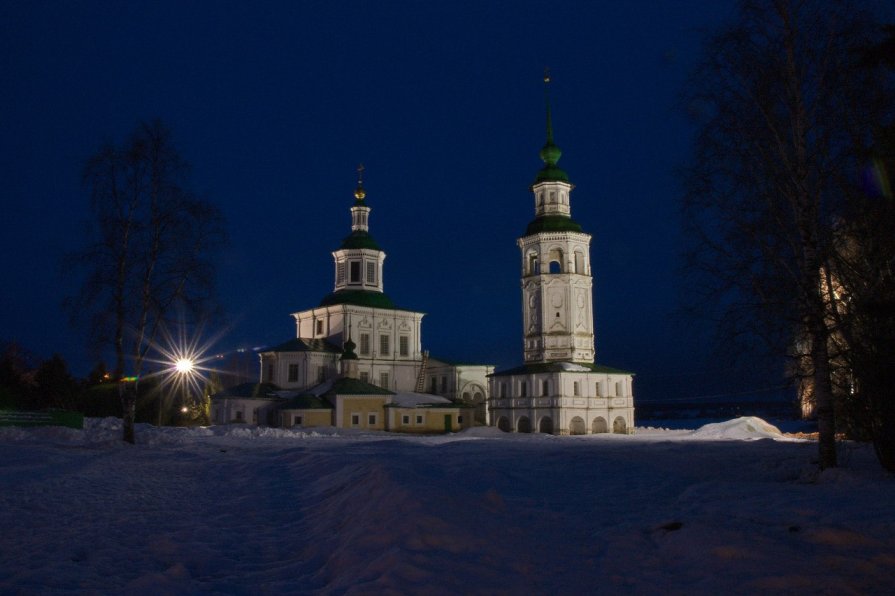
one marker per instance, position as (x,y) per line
(184,368)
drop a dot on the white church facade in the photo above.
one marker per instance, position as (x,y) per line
(303,380)
(559,389)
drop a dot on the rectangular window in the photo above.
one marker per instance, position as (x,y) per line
(293,373)
(459,419)
(404,345)
(321,374)
(297,421)
(545,389)
(383,380)
(371,419)
(419,419)
(270,373)
(365,344)
(355,272)
(384,345)
(618,389)
(365,377)
(523,389)
(503,390)
(355,420)
(405,419)
(319,326)
(575,390)
(340,273)
(371,273)
(599,393)
(444,384)
(239,416)
(434,385)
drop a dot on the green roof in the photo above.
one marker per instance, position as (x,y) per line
(359,298)
(347,386)
(552,223)
(359,239)
(306,401)
(551,173)
(249,391)
(304,345)
(542,367)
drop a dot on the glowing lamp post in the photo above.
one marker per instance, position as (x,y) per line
(184,368)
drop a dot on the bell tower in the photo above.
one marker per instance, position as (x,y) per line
(557,302)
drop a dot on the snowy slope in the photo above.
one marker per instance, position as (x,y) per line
(267,511)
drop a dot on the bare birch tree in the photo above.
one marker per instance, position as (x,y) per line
(782,114)
(150,253)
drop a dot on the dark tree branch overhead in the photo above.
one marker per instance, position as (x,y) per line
(784,115)
(149,255)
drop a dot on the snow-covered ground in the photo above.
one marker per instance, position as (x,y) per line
(728,508)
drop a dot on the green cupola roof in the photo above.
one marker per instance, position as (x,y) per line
(348,352)
(550,153)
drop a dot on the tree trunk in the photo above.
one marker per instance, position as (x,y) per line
(823,393)
(129,410)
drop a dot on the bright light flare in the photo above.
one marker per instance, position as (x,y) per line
(184,366)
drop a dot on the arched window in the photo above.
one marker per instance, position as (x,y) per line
(619,426)
(534,266)
(556,260)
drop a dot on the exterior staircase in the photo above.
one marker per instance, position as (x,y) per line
(421,378)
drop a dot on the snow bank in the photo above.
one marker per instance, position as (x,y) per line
(746,428)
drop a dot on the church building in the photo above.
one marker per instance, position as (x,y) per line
(306,381)
(559,388)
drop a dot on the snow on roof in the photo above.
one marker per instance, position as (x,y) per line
(415,400)
(572,367)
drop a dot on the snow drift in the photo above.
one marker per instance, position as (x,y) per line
(245,510)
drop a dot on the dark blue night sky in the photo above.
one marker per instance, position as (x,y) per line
(275,104)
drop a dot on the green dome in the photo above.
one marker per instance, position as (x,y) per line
(552,223)
(550,154)
(551,173)
(349,354)
(359,239)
